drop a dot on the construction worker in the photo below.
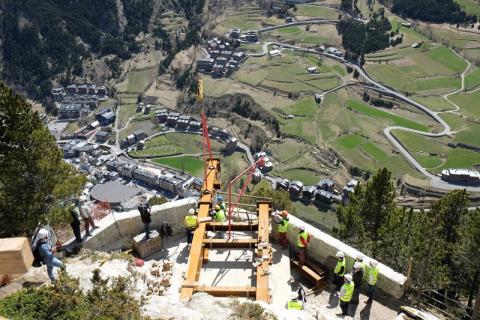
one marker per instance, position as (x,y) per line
(219,214)
(372,280)
(346,293)
(295,302)
(86,214)
(75,222)
(339,270)
(283,228)
(145,214)
(221,203)
(191,223)
(357,276)
(359,258)
(303,239)
(46,252)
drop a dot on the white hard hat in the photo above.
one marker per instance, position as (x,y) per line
(42,233)
(302,228)
(348,277)
(359,257)
(293,295)
(191,211)
(373,263)
(82,199)
(340,254)
(357,265)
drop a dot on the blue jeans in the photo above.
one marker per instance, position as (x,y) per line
(370,291)
(147,230)
(53,263)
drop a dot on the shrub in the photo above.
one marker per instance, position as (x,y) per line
(250,311)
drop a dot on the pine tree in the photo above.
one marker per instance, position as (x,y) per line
(33,177)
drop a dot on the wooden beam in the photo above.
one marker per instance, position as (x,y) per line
(205,254)
(319,281)
(228,291)
(263,293)
(229,243)
(236,226)
(195,257)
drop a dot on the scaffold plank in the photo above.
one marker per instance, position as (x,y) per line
(195,257)
(236,226)
(263,293)
(229,243)
(228,291)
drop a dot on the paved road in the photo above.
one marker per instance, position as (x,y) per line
(435,181)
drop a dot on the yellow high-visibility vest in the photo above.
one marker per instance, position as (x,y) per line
(294,304)
(283,226)
(338,267)
(349,286)
(372,276)
(190,221)
(220,216)
(304,235)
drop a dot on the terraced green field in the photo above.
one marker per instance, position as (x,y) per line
(139,80)
(472,80)
(315,11)
(350,141)
(192,165)
(469,103)
(377,113)
(470,6)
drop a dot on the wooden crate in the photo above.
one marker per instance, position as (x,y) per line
(15,255)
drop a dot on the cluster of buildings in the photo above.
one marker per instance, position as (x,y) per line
(136,137)
(249,36)
(166,179)
(178,121)
(220,60)
(323,192)
(331,50)
(76,101)
(461,176)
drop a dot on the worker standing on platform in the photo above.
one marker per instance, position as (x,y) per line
(359,258)
(303,239)
(346,293)
(191,223)
(357,277)
(283,228)
(340,269)
(86,214)
(219,214)
(221,203)
(372,280)
(295,302)
(145,214)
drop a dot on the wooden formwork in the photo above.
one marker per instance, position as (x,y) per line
(201,246)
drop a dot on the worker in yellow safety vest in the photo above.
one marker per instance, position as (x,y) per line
(303,239)
(219,214)
(359,258)
(340,269)
(346,293)
(191,222)
(283,228)
(221,203)
(294,303)
(372,280)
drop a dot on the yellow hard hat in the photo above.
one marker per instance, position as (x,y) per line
(217,208)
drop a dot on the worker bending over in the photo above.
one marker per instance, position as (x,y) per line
(372,280)
(191,223)
(46,253)
(339,271)
(283,229)
(219,214)
(346,293)
(295,302)
(303,239)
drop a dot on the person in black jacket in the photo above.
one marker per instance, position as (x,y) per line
(165,232)
(145,213)
(357,280)
(75,223)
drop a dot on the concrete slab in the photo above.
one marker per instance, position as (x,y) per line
(280,279)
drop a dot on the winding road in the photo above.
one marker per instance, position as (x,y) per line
(435,181)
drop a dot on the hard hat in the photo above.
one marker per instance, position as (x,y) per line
(293,295)
(373,263)
(191,211)
(302,228)
(340,254)
(348,277)
(42,233)
(82,199)
(357,265)
(220,198)
(359,257)
(284,213)
(217,208)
